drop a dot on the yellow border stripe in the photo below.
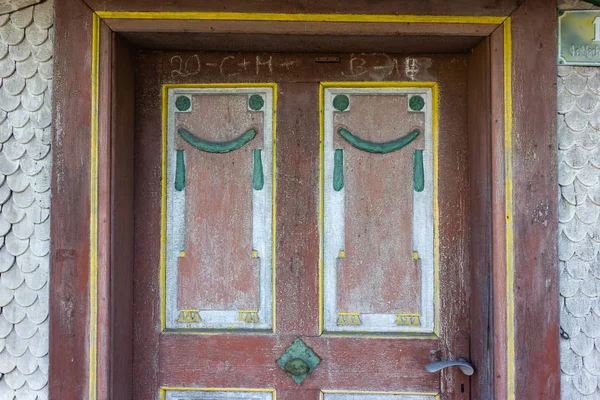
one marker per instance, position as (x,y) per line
(164,390)
(510,295)
(379,392)
(274,209)
(436,241)
(303,17)
(163,218)
(163,213)
(93,332)
(321,202)
(436,209)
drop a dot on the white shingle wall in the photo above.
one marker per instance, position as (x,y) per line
(26,50)
(579,229)
(579,226)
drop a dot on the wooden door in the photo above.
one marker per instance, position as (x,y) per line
(300,226)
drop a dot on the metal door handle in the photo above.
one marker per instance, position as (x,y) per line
(461,363)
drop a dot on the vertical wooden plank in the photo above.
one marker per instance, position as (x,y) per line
(453,199)
(70,235)
(147,197)
(480,217)
(104,212)
(297,235)
(535,202)
(498,214)
(122,132)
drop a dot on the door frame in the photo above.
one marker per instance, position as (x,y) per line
(513,179)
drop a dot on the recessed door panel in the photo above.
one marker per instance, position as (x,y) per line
(378,216)
(219,223)
(376,396)
(216,394)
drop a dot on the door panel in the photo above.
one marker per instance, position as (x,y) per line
(378,194)
(219,199)
(350,228)
(182,394)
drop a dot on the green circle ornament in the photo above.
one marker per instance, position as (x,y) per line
(341,102)
(256,102)
(183,103)
(416,103)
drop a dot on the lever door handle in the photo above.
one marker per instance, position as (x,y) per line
(461,363)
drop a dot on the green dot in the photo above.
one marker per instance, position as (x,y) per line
(341,102)
(256,102)
(416,103)
(183,103)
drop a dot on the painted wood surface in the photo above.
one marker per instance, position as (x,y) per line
(175,355)
(480,221)
(378,229)
(367,396)
(73,345)
(535,198)
(429,7)
(498,195)
(175,394)
(104,342)
(122,176)
(218,229)
(70,219)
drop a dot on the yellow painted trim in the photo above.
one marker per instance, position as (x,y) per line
(321,203)
(290,18)
(302,17)
(163,212)
(510,267)
(379,392)
(436,210)
(436,240)
(94,127)
(274,209)
(163,228)
(165,389)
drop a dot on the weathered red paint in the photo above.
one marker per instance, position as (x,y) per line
(218,271)
(378,273)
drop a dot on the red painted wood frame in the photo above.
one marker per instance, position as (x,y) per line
(513,170)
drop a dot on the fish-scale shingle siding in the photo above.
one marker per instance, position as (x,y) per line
(579,229)
(26,51)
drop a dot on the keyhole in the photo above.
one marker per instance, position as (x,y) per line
(462,387)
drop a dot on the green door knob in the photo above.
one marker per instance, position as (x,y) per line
(296,367)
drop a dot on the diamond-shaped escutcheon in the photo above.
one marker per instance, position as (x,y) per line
(298,361)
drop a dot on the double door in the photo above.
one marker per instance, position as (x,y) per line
(300,226)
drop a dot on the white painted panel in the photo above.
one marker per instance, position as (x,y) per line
(367,396)
(333,224)
(262,222)
(212,395)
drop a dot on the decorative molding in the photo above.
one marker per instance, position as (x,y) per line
(339,395)
(180,393)
(298,361)
(217,147)
(335,210)
(257,310)
(250,316)
(187,316)
(349,318)
(381,148)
